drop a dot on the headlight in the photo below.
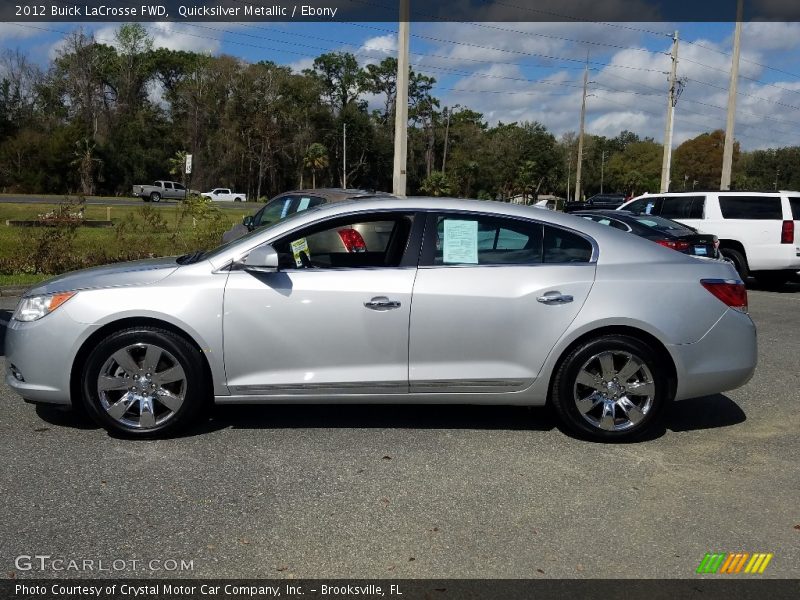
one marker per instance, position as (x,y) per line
(36,307)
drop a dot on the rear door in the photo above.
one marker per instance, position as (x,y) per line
(491,298)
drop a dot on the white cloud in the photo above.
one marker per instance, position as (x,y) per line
(301,64)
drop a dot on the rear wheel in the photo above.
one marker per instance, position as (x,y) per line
(237,199)
(144,382)
(155,197)
(739,261)
(611,388)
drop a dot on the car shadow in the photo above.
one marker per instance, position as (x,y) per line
(709,412)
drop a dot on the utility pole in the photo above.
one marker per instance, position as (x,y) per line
(569,173)
(672,99)
(602,168)
(344,155)
(446,135)
(727,153)
(578,190)
(401,105)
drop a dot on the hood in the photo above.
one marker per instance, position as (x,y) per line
(137,272)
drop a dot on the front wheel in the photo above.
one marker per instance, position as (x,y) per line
(144,382)
(611,388)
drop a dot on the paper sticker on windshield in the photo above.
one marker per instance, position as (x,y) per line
(649,208)
(298,247)
(285,209)
(460,242)
(304,202)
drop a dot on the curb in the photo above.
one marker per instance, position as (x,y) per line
(12,290)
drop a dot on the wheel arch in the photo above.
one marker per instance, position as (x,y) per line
(733,245)
(652,341)
(126,323)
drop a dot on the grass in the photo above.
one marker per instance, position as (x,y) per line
(22,279)
(138,231)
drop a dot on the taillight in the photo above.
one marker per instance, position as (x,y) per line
(679,245)
(730,292)
(787,232)
(352,240)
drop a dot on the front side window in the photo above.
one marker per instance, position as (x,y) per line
(751,207)
(354,242)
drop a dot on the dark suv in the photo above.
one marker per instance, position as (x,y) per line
(289,203)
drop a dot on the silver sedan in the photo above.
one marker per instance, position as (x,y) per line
(420,300)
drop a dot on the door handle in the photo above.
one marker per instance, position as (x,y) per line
(382,303)
(554,298)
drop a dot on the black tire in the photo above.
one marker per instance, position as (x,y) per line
(566,388)
(237,199)
(192,388)
(155,197)
(739,261)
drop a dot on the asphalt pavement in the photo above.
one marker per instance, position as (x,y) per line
(417,491)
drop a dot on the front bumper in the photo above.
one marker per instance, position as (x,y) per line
(43,352)
(723,359)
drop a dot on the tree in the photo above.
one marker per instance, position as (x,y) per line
(316,159)
(436,184)
(86,162)
(701,159)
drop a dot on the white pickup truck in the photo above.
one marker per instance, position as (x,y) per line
(224,195)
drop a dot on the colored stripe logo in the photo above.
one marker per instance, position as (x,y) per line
(732,563)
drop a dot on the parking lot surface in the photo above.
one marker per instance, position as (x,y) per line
(417,491)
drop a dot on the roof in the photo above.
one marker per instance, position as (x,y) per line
(337,194)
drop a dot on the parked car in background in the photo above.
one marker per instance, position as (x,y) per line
(289,203)
(665,232)
(168,190)
(756,230)
(224,195)
(596,202)
(462,302)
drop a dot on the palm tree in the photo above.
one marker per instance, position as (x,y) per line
(316,158)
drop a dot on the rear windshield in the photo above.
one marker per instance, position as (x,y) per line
(662,225)
(751,207)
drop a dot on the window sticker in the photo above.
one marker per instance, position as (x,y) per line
(649,208)
(285,209)
(304,202)
(298,247)
(460,242)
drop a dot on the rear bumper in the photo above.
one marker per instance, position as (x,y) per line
(723,359)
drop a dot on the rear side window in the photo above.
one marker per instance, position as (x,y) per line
(751,207)
(663,225)
(682,207)
(562,246)
(484,240)
(795,204)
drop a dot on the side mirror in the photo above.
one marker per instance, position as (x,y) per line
(248,222)
(262,259)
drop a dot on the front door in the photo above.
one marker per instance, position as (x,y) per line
(332,320)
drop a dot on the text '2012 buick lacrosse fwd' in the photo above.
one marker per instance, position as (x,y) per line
(415,300)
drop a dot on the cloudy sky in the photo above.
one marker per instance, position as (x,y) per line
(531,71)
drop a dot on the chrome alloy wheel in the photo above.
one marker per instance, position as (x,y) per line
(614,390)
(141,386)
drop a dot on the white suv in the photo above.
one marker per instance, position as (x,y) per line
(756,230)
